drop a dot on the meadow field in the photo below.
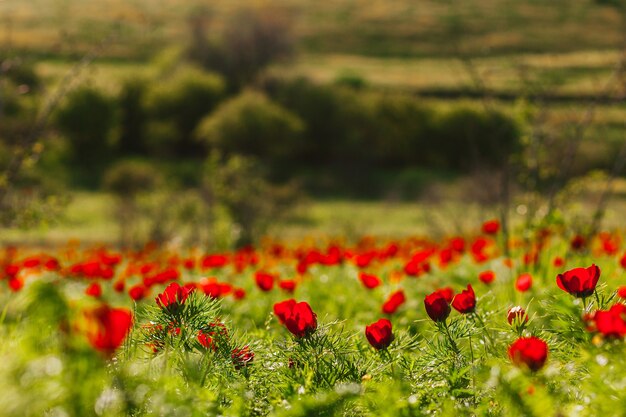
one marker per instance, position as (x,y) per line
(292,208)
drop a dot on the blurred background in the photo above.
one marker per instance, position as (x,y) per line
(215,123)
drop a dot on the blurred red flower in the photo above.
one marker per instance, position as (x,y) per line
(530,352)
(108,327)
(369,281)
(394,301)
(487,277)
(523,282)
(491,227)
(465,302)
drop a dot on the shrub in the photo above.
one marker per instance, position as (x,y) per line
(251,124)
(181,101)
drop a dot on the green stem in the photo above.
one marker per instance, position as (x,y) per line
(455,348)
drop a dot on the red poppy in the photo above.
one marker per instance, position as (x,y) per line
(394,301)
(491,227)
(173,296)
(379,334)
(369,281)
(523,282)
(465,302)
(108,327)
(437,307)
(137,292)
(288,285)
(612,322)
(264,280)
(301,320)
(579,282)
(94,290)
(530,352)
(283,309)
(487,277)
(516,315)
(621,291)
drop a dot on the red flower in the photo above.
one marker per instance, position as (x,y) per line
(437,307)
(239,294)
(242,357)
(109,327)
(289,285)
(578,242)
(368,280)
(580,282)
(621,292)
(210,337)
(173,296)
(487,277)
(394,302)
(516,315)
(558,262)
(94,290)
(16,284)
(379,334)
(524,282)
(465,302)
(283,309)
(264,280)
(301,320)
(612,322)
(530,352)
(137,292)
(491,227)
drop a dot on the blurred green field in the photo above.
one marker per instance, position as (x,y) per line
(380,27)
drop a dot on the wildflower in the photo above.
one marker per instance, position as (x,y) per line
(264,280)
(611,322)
(530,352)
(369,281)
(465,302)
(491,227)
(437,306)
(379,334)
(394,301)
(516,315)
(579,282)
(108,327)
(174,296)
(523,282)
(487,277)
(242,357)
(94,290)
(301,321)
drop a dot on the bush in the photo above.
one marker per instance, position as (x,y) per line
(181,101)
(132,117)
(251,124)
(87,119)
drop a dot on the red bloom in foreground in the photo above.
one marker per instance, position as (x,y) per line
(580,282)
(487,277)
(530,352)
(516,315)
(491,227)
(173,296)
(379,334)
(299,318)
(394,302)
(437,307)
(108,327)
(465,302)
(524,282)
(369,281)
(283,309)
(612,322)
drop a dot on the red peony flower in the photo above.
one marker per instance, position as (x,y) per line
(283,309)
(487,277)
(491,227)
(108,327)
(437,307)
(301,321)
(465,302)
(379,334)
(288,285)
(530,352)
(94,290)
(580,282)
(524,282)
(173,296)
(394,301)
(611,322)
(264,280)
(369,281)
(516,315)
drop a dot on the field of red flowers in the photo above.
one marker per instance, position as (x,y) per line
(465,325)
